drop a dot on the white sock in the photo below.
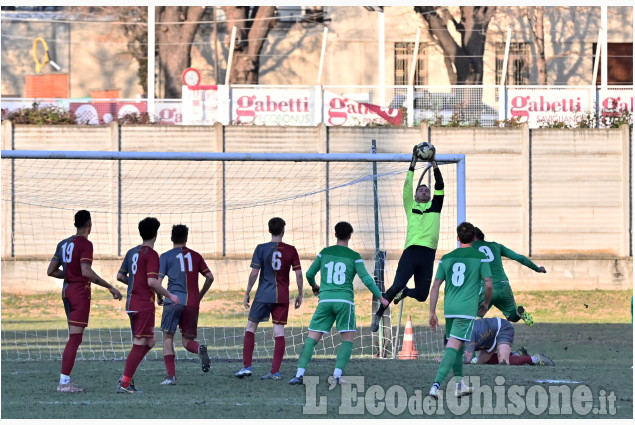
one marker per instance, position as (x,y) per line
(64,379)
(300,373)
(337,373)
(534,359)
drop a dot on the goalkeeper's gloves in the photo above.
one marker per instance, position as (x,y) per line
(413,162)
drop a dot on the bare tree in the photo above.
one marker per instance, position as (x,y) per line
(177,26)
(252,26)
(536,17)
(464,61)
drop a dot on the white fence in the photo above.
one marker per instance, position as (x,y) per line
(484,106)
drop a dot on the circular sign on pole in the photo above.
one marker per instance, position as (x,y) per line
(191,77)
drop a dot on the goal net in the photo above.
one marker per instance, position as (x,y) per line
(226,200)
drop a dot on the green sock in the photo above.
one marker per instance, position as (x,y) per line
(307,352)
(446,364)
(344,354)
(457,367)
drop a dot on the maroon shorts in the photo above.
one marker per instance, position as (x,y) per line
(142,323)
(260,312)
(185,317)
(76,297)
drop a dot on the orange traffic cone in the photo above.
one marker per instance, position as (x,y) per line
(408,347)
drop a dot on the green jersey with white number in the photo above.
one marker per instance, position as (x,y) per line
(494,253)
(338,266)
(463,271)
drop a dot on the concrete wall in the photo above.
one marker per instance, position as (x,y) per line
(559,196)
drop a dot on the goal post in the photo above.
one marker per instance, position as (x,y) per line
(226,200)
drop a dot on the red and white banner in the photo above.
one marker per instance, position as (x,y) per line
(104,112)
(543,106)
(203,105)
(616,103)
(286,107)
(341,111)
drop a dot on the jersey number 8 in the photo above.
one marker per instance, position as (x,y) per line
(458,274)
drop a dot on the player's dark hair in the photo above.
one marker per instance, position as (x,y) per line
(343,230)
(424,185)
(479,234)
(148,228)
(465,232)
(179,233)
(82,217)
(276,226)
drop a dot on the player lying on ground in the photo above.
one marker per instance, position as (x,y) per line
(502,295)
(338,265)
(75,255)
(273,261)
(141,265)
(493,338)
(422,237)
(182,265)
(463,270)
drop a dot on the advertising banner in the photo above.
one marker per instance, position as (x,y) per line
(540,107)
(104,112)
(285,107)
(341,111)
(204,105)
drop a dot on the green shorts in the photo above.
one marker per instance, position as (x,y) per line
(459,328)
(328,312)
(502,299)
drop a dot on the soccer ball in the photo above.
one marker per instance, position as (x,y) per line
(425,151)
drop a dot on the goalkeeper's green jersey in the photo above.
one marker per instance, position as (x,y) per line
(494,253)
(338,266)
(463,271)
(424,220)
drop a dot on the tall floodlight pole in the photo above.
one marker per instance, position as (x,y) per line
(151,62)
(382,59)
(604,53)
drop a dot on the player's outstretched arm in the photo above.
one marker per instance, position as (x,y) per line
(506,252)
(434,298)
(250,284)
(54,270)
(209,279)
(89,273)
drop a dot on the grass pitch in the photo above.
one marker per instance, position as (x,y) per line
(596,355)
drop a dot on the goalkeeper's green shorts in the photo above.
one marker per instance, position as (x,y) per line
(328,312)
(502,299)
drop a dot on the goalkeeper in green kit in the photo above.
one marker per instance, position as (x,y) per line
(338,265)
(502,295)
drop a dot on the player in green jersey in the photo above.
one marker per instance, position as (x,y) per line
(422,237)
(502,295)
(338,265)
(463,269)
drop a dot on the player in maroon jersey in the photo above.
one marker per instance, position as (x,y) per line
(273,261)
(75,255)
(145,282)
(182,265)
